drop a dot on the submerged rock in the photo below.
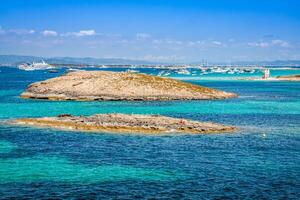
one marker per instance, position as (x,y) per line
(123,123)
(105,85)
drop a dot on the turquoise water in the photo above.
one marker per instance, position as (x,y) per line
(259,161)
(6,147)
(41,168)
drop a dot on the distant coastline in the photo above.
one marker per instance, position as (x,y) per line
(13,60)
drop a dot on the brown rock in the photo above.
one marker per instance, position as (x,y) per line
(104,85)
(123,123)
(289,78)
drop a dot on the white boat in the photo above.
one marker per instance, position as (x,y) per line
(132,71)
(231,72)
(73,70)
(235,70)
(183,71)
(166,74)
(241,71)
(161,73)
(35,66)
(266,73)
(24,66)
(218,70)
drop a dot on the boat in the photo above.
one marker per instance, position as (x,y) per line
(266,73)
(241,71)
(251,71)
(73,70)
(35,66)
(24,66)
(230,72)
(183,71)
(161,73)
(132,71)
(53,70)
(218,70)
(166,74)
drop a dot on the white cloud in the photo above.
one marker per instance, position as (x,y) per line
(125,41)
(176,42)
(47,33)
(217,43)
(259,44)
(2,32)
(272,43)
(84,33)
(157,41)
(142,36)
(57,41)
(17,31)
(191,43)
(201,43)
(167,41)
(280,43)
(21,31)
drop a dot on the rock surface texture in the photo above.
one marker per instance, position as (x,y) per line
(123,123)
(289,78)
(105,85)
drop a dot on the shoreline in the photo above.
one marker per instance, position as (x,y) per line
(293,78)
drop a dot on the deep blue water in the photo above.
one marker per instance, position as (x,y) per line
(259,161)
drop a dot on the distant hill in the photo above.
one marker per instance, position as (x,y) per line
(12,60)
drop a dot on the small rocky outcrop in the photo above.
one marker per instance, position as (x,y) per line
(289,78)
(123,123)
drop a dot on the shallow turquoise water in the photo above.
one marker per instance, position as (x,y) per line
(260,161)
(41,168)
(6,147)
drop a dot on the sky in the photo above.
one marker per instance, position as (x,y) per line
(154,30)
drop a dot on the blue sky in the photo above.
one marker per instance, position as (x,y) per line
(158,30)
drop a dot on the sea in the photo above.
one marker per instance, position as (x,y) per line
(261,160)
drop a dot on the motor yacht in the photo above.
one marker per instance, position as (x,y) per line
(35,66)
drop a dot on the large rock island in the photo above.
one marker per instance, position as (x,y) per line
(105,85)
(123,123)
